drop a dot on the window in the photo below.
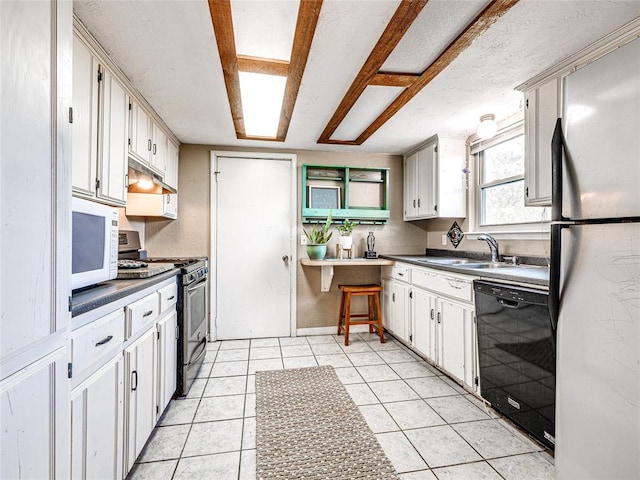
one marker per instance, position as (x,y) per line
(500,193)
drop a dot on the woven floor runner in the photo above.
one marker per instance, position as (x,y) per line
(308,427)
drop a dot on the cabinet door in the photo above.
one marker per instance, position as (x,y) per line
(85,119)
(402,314)
(167,359)
(32,422)
(97,424)
(139,133)
(171,165)
(410,186)
(114,127)
(541,112)
(456,329)
(422,314)
(158,150)
(141,361)
(427,181)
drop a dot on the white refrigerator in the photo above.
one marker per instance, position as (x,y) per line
(594,288)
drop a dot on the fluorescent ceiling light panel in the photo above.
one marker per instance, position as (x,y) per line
(262,97)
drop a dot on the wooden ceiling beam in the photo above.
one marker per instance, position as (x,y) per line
(221,19)
(405,14)
(479,25)
(265,66)
(308,14)
(383,79)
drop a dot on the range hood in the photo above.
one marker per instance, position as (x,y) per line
(144,180)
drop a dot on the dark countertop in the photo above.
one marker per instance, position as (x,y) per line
(521,273)
(84,301)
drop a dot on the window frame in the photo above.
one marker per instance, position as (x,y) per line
(517,231)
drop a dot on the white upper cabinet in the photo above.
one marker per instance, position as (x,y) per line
(100,129)
(140,132)
(85,119)
(112,158)
(433,186)
(171,165)
(158,150)
(543,106)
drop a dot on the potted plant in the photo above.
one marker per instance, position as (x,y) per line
(346,240)
(318,238)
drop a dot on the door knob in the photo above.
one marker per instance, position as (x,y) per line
(285,258)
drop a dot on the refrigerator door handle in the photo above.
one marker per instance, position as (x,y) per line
(554,275)
(557,145)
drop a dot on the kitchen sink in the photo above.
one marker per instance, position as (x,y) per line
(490,265)
(449,261)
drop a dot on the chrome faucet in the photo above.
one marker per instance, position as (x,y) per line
(493,246)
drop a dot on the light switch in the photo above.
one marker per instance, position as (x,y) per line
(303,239)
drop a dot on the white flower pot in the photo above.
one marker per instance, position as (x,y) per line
(346,242)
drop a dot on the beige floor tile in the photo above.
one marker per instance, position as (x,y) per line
(441,446)
(393,391)
(466,471)
(213,437)
(221,466)
(165,443)
(220,408)
(413,414)
(400,452)
(221,386)
(491,439)
(378,418)
(532,466)
(153,471)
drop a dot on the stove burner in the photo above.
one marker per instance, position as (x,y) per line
(129,264)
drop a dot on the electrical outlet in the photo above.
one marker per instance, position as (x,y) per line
(444,239)
(303,239)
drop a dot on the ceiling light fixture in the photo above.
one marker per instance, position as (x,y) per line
(488,126)
(262,97)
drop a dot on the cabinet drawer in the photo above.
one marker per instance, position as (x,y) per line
(402,272)
(168,297)
(97,339)
(142,313)
(453,287)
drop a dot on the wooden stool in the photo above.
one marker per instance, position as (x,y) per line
(373,294)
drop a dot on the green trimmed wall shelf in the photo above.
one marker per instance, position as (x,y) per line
(355,193)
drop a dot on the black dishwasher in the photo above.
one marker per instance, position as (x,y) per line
(516,352)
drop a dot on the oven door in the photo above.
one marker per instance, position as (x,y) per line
(195,322)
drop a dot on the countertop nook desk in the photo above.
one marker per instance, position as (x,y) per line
(327,265)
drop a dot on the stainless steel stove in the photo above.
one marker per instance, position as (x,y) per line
(193,306)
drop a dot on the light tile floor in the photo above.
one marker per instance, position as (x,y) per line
(429,427)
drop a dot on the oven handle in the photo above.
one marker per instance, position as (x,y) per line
(201,353)
(198,285)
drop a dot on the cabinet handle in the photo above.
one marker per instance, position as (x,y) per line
(134,373)
(414,203)
(171,297)
(146,314)
(432,314)
(177,333)
(104,340)
(154,148)
(418,203)
(393,297)
(435,208)
(149,144)
(400,274)
(439,320)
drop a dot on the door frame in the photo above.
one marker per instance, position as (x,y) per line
(292,158)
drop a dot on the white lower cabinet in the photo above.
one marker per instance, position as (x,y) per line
(396,301)
(167,359)
(97,413)
(121,384)
(454,322)
(433,312)
(140,360)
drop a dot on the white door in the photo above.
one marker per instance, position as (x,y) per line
(253,247)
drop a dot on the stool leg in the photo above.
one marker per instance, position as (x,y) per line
(341,316)
(379,316)
(370,302)
(347,320)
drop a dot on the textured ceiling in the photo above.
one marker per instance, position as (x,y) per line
(168,50)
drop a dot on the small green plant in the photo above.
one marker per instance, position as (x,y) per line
(320,235)
(346,228)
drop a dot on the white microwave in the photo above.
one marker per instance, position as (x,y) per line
(94,243)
